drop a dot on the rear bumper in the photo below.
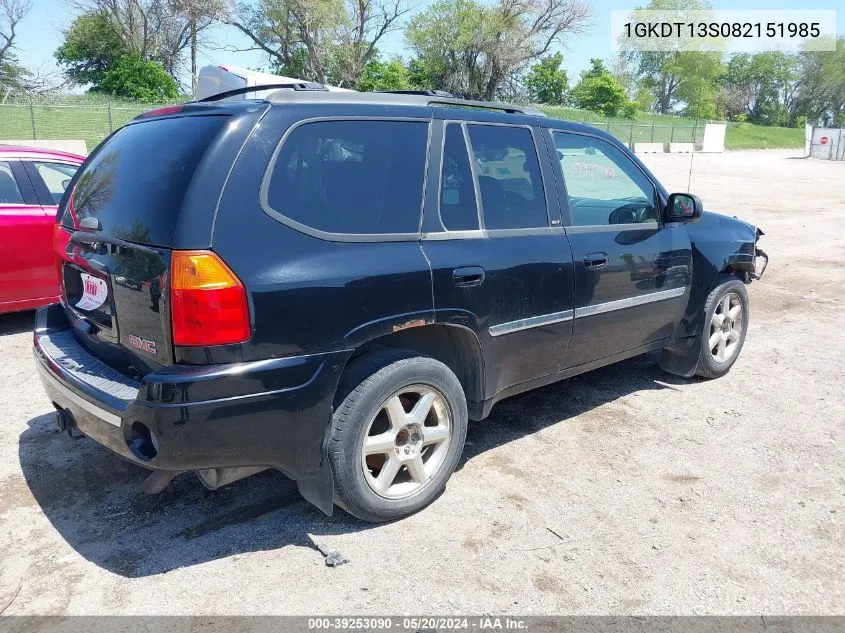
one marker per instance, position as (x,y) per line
(271,413)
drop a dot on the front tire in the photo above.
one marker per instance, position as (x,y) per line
(396,435)
(725,326)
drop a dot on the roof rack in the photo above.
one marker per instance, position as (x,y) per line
(299,86)
(427,93)
(397,98)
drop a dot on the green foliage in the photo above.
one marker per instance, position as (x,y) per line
(329,41)
(679,79)
(297,65)
(644,100)
(761,86)
(448,41)
(599,91)
(90,48)
(821,93)
(630,110)
(475,49)
(134,77)
(12,74)
(547,82)
(390,75)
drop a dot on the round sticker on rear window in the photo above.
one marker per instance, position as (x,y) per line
(94,292)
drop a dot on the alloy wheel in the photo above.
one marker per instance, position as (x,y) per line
(406,442)
(726,328)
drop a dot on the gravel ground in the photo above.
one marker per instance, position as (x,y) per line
(623,491)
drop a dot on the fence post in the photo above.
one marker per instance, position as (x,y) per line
(672,133)
(631,136)
(111,129)
(652,130)
(32,118)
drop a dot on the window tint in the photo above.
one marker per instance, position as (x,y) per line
(352,177)
(136,183)
(508,177)
(9,192)
(458,208)
(604,186)
(56,176)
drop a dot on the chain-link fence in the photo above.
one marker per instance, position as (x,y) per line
(92,119)
(58,121)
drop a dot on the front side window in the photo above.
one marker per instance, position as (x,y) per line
(604,186)
(56,176)
(352,177)
(508,177)
(9,192)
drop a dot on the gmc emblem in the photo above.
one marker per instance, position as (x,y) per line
(142,344)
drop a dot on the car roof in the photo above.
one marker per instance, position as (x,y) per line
(393,98)
(26,151)
(470,110)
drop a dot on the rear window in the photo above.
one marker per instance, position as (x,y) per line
(351,177)
(136,183)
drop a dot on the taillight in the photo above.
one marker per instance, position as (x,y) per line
(172,109)
(208,302)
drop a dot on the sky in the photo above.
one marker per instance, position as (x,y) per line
(41,34)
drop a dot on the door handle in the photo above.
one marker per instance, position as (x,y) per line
(595,260)
(468,276)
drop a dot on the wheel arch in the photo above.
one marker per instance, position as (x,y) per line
(712,261)
(455,346)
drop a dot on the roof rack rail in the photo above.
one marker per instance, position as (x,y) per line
(299,86)
(424,93)
(510,108)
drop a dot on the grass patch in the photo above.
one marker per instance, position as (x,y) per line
(747,136)
(662,128)
(92,123)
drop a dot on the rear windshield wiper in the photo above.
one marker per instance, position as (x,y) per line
(91,238)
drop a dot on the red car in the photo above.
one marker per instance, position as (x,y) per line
(32,182)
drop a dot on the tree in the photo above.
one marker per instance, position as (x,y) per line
(761,86)
(199,14)
(599,91)
(472,49)
(90,48)
(820,94)
(679,77)
(546,82)
(390,75)
(330,41)
(134,77)
(157,30)
(12,74)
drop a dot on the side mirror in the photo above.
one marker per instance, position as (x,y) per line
(682,207)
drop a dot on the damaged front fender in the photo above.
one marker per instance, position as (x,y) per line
(720,245)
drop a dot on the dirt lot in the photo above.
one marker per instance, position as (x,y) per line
(668,496)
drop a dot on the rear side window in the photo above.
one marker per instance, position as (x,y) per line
(136,183)
(56,176)
(458,208)
(508,177)
(9,192)
(351,177)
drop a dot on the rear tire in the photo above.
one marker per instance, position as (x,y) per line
(725,326)
(396,435)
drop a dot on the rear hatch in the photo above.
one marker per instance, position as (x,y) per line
(115,235)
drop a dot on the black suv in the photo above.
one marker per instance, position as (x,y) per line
(332,284)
